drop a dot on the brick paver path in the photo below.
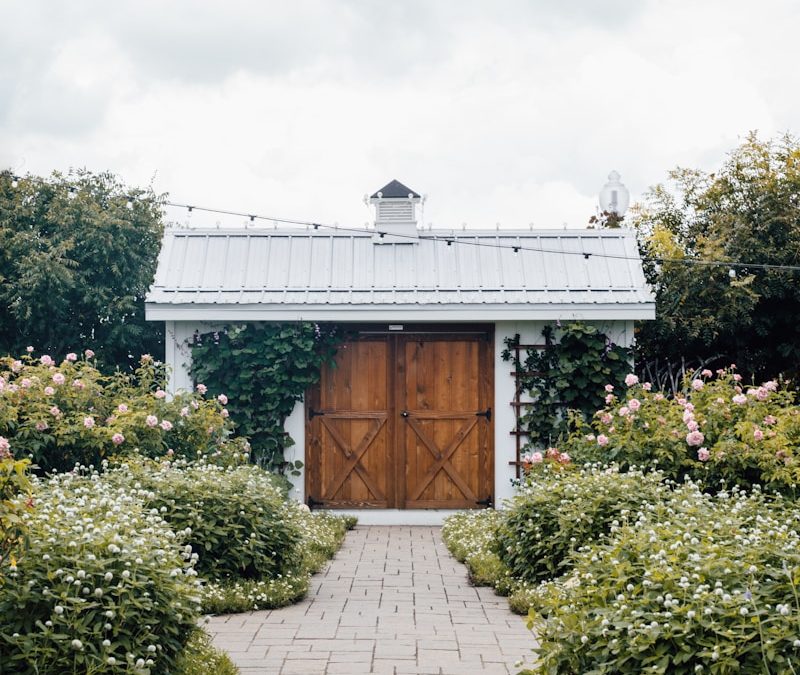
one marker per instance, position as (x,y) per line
(392,601)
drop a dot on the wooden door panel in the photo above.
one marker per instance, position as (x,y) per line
(444,437)
(350,445)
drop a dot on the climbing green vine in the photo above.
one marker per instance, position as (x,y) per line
(567,375)
(263,369)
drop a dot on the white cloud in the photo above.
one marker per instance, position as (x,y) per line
(511,114)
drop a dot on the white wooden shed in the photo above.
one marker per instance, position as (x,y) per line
(415,421)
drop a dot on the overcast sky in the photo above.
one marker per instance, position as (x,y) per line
(504,111)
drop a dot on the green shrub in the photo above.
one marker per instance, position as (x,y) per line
(235,518)
(558,510)
(69,413)
(470,538)
(201,658)
(696,584)
(14,482)
(104,586)
(719,431)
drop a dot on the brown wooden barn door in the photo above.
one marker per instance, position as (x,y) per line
(349,430)
(444,394)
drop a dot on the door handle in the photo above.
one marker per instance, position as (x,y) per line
(404,413)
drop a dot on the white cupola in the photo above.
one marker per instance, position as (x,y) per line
(395,214)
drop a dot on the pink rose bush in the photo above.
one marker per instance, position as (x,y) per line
(99,416)
(745,434)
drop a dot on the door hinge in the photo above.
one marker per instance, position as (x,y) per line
(486,413)
(314,413)
(488,503)
(312,503)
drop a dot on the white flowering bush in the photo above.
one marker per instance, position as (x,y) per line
(63,413)
(105,585)
(694,584)
(557,510)
(720,430)
(235,518)
(470,538)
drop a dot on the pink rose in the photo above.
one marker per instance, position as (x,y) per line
(609,399)
(16,366)
(739,399)
(564,458)
(29,349)
(720,401)
(634,404)
(118,439)
(224,412)
(201,388)
(647,386)
(78,384)
(631,379)
(658,396)
(151,421)
(706,372)
(5,448)
(590,437)
(758,435)
(536,458)
(688,415)
(146,358)
(122,408)
(88,422)
(185,411)
(737,378)
(623,411)
(609,388)
(697,385)
(602,440)
(703,454)
(692,425)
(49,391)
(160,393)
(59,378)
(55,411)
(194,404)
(762,393)
(551,453)
(771,385)
(681,401)
(72,356)
(769,419)
(166,425)
(695,438)
(170,452)
(606,418)
(223,399)
(47,360)
(41,426)
(89,354)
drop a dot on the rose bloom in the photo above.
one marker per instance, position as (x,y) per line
(692,425)
(16,366)
(122,408)
(49,391)
(762,393)
(89,353)
(739,399)
(185,411)
(224,412)
(41,426)
(602,439)
(4,443)
(758,435)
(118,439)
(658,396)
(609,399)
(720,400)
(29,349)
(771,385)
(697,385)
(551,453)
(166,425)
(536,458)
(623,411)
(78,384)
(631,379)
(564,458)
(647,386)
(59,378)
(751,392)
(680,401)
(606,418)
(703,454)
(609,388)
(223,399)
(25,383)
(47,360)
(202,388)
(194,404)
(88,422)
(688,415)
(160,393)
(695,438)
(151,420)
(55,411)
(737,378)
(706,372)
(769,419)
(634,404)
(72,356)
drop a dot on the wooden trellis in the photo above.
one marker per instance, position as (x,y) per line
(518,404)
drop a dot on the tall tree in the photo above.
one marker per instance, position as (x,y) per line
(77,255)
(748,211)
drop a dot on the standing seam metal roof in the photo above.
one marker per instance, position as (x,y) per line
(334,269)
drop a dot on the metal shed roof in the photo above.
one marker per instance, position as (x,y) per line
(291,274)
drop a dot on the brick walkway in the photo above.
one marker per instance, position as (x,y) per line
(392,602)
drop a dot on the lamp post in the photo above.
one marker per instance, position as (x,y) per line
(614,200)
